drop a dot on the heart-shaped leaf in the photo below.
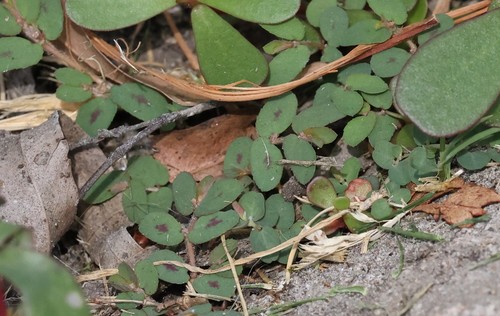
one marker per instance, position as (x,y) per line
(96,114)
(161,228)
(264,158)
(211,226)
(257,11)
(220,195)
(225,56)
(276,115)
(17,53)
(114,14)
(464,85)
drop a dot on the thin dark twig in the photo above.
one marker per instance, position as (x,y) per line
(150,126)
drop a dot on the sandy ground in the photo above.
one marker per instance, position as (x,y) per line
(436,279)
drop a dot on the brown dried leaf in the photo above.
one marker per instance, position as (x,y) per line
(466,203)
(200,149)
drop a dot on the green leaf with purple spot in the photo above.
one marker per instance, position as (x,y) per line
(211,226)
(276,115)
(169,272)
(237,159)
(264,158)
(161,228)
(214,284)
(96,114)
(222,193)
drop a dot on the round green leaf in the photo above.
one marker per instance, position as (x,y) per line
(211,226)
(333,23)
(96,114)
(360,68)
(161,228)
(17,53)
(292,29)
(139,101)
(365,32)
(257,11)
(389,63)
(288,64)
(359,128)
(424,161)
(51,18)
(105,187)
(225,56)
(464,85)
(147,170)
(214,284)
(222,193)
(184,190)
(298,149)
(473,160)
(8,24)
(114,14)
(276,115)
(381,209)
(266,171)
(320,192)
(47,288)
(168,272)
(390,10)
(348,102)
(354,4)
(147,276)
(254,205)
(264,239)
(72,77)
(366,83)
(73,94)
(400,195)
(237,159)
(316,8)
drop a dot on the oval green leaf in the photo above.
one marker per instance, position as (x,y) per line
(72,77)
(320,192)
(18,53)
(73,94)
(147,170)
(366,83)
(276,115)
(299,149)
(265,239)
(365,32)
(51,18)
(225,56)
(184,190)
(390,10)
(29,9)
(464,85)
(264,158)
(8,24)
(214,284)
(168,272)
(316,8)
(333,24)
(139,101)
(319,136)
(147,276)
(161,228)
(222,193)
(288,64)
(292,29)
(107,15)
(211,226)
(237,159)
(254,205)
(359,128)
(257,11)
(96,114)
(389,62)
(348,102)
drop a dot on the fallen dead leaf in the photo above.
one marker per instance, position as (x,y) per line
(200,149)
(466,203)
